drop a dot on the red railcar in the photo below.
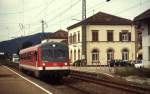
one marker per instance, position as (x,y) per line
(50,59)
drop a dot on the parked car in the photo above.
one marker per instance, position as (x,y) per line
(15,58)
(138,64)
(118,63)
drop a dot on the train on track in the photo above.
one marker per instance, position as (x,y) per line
(49,58)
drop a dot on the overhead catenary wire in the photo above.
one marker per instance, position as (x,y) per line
(52,1)
(64,11)
(122,11)
(52,22)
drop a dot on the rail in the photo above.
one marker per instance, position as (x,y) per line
(98,79)
(95,78)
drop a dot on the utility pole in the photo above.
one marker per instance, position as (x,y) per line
(84,44)
(84,54)
(43,28)
(42,25)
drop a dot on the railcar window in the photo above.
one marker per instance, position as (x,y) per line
(26,56)
(47,54)
(54,54)
(59,54)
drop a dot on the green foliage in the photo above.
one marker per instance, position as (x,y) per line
(128,71)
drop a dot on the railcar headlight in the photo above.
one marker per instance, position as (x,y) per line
(43,64)
(65,63)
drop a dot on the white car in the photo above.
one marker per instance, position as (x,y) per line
(15,58)
(138,64)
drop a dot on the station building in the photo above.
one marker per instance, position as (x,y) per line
(58,36)
(108,37)
(143,22)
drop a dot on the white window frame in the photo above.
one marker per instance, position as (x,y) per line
(110,55)
(125,37)
(95,57)
(125,55)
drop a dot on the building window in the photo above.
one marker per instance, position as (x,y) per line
(110,54)
(79,54)
(125,54)
(70,38)
(74,38)
(95,56)
(139,40)
(94,35)
(71,55)
(110,35)
(125,35)
(78,36)
(74,55)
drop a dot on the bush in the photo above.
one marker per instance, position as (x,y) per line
(127,71)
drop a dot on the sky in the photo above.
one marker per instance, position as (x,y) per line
(23,17)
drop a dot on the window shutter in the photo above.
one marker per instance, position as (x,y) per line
(94,36)
(129,35)
(112,37)
(120,36)
(109,35)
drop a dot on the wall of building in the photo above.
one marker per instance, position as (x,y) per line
(75,46)
(103,28)
(103,45)
(145,45)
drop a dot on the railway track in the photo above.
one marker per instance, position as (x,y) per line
(94,78)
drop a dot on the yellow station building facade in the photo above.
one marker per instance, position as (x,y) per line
(108,37)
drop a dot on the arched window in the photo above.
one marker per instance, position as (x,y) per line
(74,38)
(95,56)
(71,55)
(78,36)
(74,55)
(79,54)
(70,38)
(110,54)
(125,54)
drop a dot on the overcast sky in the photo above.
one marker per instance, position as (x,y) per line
(17,16)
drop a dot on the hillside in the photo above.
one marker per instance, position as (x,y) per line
(13,46)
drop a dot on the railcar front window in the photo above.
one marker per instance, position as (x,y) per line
(46,54)
(54,55)
(60,54)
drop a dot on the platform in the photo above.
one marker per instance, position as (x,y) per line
(12,83)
